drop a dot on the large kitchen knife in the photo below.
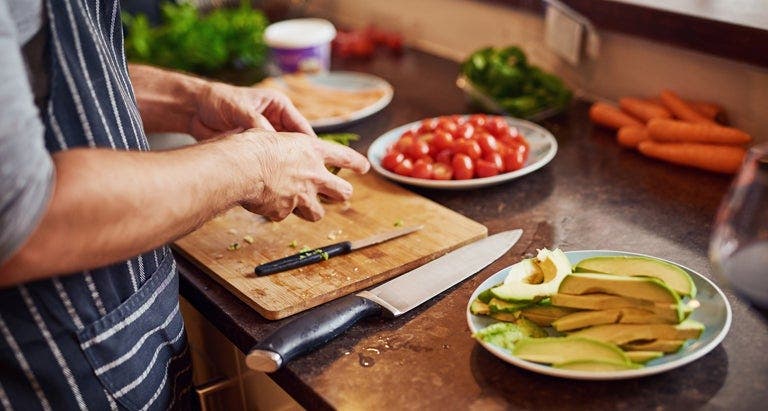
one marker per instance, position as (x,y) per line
(395,297)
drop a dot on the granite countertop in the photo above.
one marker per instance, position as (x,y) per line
(593,195)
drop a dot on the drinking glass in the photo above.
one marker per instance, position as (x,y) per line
(738,249)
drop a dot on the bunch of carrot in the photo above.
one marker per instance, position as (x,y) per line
(672,129)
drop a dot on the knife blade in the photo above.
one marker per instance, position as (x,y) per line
(395,297)
(323,253)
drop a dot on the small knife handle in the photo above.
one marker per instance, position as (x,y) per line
(301,259)
(308,331)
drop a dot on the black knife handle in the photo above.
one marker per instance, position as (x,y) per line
(308,331)
(305,258)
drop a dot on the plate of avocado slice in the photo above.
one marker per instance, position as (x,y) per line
(615,315)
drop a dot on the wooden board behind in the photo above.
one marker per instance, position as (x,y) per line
(376,206)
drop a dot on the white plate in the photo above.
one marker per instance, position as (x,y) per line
(350,81)
(543,149)
(714,313)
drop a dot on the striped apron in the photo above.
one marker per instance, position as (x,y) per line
(112,337)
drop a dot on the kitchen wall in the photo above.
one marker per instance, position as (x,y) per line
(627,65)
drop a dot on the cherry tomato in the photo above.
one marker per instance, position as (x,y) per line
(478,120)
(465,130)
(409,133)
(458,119)
(422,169)
(392,159)
(444,156)
(485,168)
(463,167)
(469,147)
(447,124)
(405,168)
(443,139)
(515,159)
(442,171)
(404,143)
(418,149)
(488,143)
(496,159)
(428,125)
(497,126)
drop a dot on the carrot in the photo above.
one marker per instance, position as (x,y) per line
(712,111)
(711,157)
(631,136)
(681,109)
(611,117)
(642,109)
(682,132)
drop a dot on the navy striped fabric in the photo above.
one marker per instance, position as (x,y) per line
(113,337)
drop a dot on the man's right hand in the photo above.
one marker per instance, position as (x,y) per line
(285,172)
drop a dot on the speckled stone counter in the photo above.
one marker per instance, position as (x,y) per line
(593,195)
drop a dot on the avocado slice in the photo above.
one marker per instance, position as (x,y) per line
(500,306)
(673,276)
(530,328)
(558,350)
(596,365)
(507,317)
(622,334)
(534,278)
(672,312)
(645,288)
(544,314)
(479,308)
(642,357)
(627,315)
(667,346)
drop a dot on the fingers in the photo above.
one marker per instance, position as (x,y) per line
(253,119)
(343,156)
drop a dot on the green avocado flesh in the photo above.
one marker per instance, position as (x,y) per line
(642,357)
(670,312)
(645,288)
(583,319)
(621,334)
(674,277)
(558,350)
(596,365)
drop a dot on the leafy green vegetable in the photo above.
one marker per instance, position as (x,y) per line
(188,40)
(341,138)
(520,88)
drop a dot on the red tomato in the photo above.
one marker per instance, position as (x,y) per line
(447,124)
(404,143)
(515,159)
(469,147)
(392,159)
(428,125)
(444,156)
(422,169)
(405,168)
(487,142)
(409,133)
(496,125)
(458,119)
(496,159)
(463,168)
(443,139)
(465,130)
(485,168)
(418,149)
(478,120)
(442,171)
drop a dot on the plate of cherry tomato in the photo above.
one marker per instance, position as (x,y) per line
(462,151)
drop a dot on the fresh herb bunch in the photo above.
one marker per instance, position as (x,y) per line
(191,41)
(520,88)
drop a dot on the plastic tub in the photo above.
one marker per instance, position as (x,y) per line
(300,45)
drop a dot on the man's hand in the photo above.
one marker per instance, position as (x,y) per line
(222,108)
(289,171)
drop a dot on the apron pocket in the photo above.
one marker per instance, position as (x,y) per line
(139,349)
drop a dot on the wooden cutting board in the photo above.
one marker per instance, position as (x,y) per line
(376,206)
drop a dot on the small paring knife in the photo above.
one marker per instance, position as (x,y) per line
(323,253)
